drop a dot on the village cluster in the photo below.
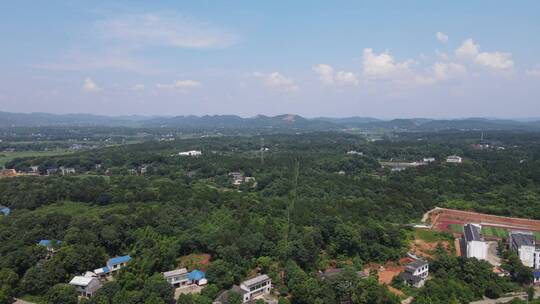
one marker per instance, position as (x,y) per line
(181,279)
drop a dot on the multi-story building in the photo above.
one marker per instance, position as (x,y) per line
(524,243)
(248,290)
(177,278)
(416,273)
(113,265)
(473,245)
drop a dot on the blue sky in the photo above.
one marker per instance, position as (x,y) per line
(315,58)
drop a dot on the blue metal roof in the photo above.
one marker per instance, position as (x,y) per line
(105,269)
(118,260)
(196,275)
(536,273)
(45,243)
(5,211)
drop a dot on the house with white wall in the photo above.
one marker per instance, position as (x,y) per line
(248,290)
(473,244)
(416,273)
(524,243)
(113,265)
(454,159)
(86,286)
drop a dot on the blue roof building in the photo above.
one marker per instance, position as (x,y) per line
(5,210)
(49,244)
(196,275)
(118,260)
(45,243)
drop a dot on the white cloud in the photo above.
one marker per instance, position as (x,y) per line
(534,71)
(343,77)
(382,66)
(180,84)
(445,71)
(468,49)
(90,86)
(442,55)
(494,60)
(442,37)
(277,80)
(164,29)
(325,72)
(138,87)
(328,77)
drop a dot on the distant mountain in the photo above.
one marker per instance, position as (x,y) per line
(287,121)
(261,122)
(37,119)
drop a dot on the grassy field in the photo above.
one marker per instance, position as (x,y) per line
(493,231)
(431,236)
(457,228)
(8,156)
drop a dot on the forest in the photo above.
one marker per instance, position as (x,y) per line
(312,206)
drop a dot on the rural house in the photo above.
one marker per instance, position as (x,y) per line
(416,273)
(86,285)
(113,265)
(66,171)
(454,159)
(249,289)
(472,243)
(524,243)
(197,277)
(5,210)
(194,153)
(177,278)
(50,245)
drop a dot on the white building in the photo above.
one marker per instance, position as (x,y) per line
(66,171)
(249,289)
(454,159)
(113,265)
(429,159)
(177,278)
(416,273)
(86,285)
(524,243)
(259,285)
(194,153)
(473,244)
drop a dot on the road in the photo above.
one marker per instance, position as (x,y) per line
(507,298)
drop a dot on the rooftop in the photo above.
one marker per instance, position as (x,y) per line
(471,232)
(256,280)
(196,275)
(175,272)
(412,266)
(522,238)
(118,260)
(81,281)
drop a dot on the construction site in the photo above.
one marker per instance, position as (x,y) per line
(493,226)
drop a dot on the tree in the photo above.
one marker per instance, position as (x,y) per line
(530,293)
(37,280)
(61,294)
(234,298)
